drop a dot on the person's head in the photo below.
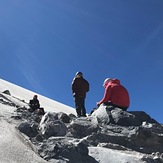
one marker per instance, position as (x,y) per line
(79,74)
(106,81)
(35,97)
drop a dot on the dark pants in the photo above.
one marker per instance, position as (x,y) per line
(80,106)
(111,104)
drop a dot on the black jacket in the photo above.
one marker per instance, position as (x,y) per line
(34,104)
(79,87)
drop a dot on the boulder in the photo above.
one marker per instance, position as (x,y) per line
(63,117)
(57,149)
(7,92)
(28,129)
(51,126)
(114,115)
(82,127)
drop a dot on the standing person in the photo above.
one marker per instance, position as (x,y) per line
(34,103)
(79,88)
(115,94)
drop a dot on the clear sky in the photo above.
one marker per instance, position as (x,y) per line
(43,43)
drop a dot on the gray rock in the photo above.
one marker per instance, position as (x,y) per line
(64,148)
(27,129)
(63,117)
(7,92)
(83,126)
(51,126)
(113,115)
(102,114)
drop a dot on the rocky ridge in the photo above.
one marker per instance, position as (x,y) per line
(58,137)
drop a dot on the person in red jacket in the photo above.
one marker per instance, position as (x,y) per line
(80,87)
(115,94)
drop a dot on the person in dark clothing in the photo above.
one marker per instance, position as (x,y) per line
(34,103)
(80,87)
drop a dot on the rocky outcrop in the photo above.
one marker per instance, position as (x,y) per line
(111,115)
(50,125)
(7,92)
(58,136)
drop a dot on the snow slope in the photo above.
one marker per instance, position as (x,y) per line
(24,94)
(13,147)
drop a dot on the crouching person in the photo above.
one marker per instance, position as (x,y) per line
(34,104)
(115,94)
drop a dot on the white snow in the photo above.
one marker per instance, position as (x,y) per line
(13,147)
(24,94)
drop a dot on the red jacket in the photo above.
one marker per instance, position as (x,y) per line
(116,94)
(79,87)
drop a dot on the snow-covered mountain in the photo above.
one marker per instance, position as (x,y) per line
(78,140)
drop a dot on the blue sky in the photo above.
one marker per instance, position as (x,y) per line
(44,43)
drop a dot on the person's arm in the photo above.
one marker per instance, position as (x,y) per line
(107,96)
(73,86)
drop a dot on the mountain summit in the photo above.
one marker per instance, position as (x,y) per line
(109,135)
